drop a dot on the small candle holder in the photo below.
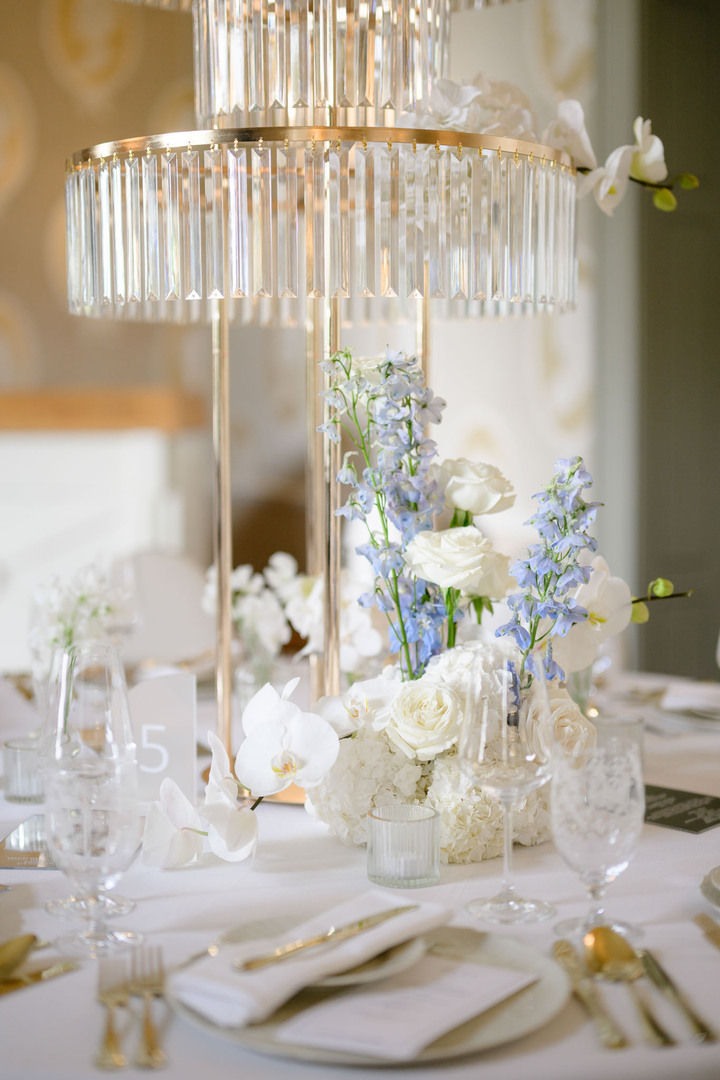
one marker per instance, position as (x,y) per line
(23,783)
(403,846)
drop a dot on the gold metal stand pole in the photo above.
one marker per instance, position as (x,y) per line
(323,529)
(333,537)
(422,329)
(222,517)
(314,470)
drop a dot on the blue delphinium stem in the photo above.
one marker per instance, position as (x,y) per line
(384,411)
(543,608)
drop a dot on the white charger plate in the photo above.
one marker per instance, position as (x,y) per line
(516,1016)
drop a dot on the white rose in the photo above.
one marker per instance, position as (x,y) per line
(567,729)
(424,719)
(473,486)
(461,559)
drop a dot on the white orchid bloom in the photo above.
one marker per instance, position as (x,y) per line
(222,787)
(232,831)
(283,745)
(609,183)
(608,601)
(648,161)
(173,830)
(567,132)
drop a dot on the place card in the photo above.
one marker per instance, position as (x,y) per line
(164,719)
(397,1019)
(25,847)
(687,811)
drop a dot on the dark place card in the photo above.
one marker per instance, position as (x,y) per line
(684,810)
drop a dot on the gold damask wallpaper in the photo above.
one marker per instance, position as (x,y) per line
(72,73)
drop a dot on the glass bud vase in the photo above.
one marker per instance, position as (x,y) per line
(254,667)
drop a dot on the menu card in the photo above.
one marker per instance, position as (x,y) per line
(684,810)
(399,1017)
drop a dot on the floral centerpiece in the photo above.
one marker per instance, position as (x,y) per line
(434,585)
(394,737)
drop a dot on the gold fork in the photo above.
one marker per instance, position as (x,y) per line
(147,979)
(112,992)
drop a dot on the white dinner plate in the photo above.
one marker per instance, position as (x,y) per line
(710,887)
(516,1016)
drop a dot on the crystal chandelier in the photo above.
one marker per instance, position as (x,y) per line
(310,178)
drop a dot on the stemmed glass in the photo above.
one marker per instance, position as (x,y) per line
(504,750)
(71,907)
(597,808)
(89,765)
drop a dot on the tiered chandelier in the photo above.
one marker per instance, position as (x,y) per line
(310,177)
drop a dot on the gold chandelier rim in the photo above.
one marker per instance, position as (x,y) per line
(233,138)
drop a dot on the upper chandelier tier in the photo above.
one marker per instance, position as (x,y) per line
(317,174)
(317,61)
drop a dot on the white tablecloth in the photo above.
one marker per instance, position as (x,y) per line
(52,1030)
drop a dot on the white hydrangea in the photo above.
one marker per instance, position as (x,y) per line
(373,769)
(369,771)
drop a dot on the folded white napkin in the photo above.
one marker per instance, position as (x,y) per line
(232,998)
(695,696)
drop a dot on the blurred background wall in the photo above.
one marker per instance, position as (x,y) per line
(628,380)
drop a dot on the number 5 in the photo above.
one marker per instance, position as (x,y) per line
(146,744)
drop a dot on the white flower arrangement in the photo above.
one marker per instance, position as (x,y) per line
(282,745)
(81,608)
(493,107)
(404,749)
(267,607)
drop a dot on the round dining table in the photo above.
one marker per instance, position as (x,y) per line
(52,1030)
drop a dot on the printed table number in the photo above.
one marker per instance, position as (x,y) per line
(163,712)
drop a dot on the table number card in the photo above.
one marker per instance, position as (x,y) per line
(684,810)
(163,712)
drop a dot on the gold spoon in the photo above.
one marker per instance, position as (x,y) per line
(610,956)
(13,952)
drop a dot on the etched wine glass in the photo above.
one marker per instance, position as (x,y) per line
(597,809)
(74,906)
(505,750)
(92,810)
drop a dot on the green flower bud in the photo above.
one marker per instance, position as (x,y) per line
(661,587)
(688,181)
(640,613)
(664,199)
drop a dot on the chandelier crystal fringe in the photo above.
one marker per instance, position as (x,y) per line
(159,227)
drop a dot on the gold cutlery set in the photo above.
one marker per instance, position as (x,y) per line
(609,956)
(118,982)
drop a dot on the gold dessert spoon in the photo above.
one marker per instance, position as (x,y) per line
(610,956)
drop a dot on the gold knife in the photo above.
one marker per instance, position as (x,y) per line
(702,1032)
(610,1035)
(334,934)
(7,986)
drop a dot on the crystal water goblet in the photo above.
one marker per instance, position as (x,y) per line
(503,749)
(92,810)
(597,809)
(74,906)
